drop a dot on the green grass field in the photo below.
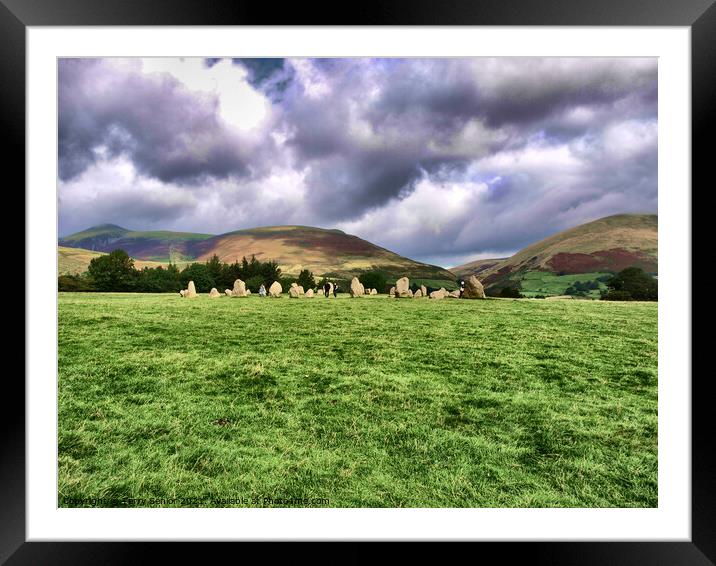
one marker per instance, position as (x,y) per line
(544,283)
(369,402)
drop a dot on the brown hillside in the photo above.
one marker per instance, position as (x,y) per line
(606,245)
(322,251)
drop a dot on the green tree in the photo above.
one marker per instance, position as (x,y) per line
(511,293)
(199,274)
(215,269)
(270,271)
(75,283)
(253,283)
(306,280)
(374,280)
(159,280)
(632,284)
(113,272)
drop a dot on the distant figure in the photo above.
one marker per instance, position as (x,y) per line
(262,290)
(335,291)
(327,290)
(462,287)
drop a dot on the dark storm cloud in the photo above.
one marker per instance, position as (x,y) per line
(419,108)
(515,91)
(168,132)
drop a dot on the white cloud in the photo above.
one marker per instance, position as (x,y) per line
(240,104)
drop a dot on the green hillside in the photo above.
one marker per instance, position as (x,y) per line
(603,246)
(327,252)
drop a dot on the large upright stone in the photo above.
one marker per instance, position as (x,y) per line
(190,290)
(275,289)
(293,292)
(319,292)
(228,292)
(418,294)
(374,291)
(214,294)
(239,289)
(309,294)
(357,289)
(423,290)
(473,289)
(300,290)
(402,287)
(439,294)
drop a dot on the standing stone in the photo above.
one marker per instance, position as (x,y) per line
(320,292)
(402,287)
(309,294)
(473,289)
(392,291)
(439,294)
(374,291)
(293,292)
(357,288)
(190,290)
(423,290)
(300,290)
(417,294)
(227,292)
(239,288)
(213,294)
(275,289)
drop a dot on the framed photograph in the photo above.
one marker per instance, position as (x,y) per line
(399,278)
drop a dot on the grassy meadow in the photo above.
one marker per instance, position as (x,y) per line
(545,283)
(369,402)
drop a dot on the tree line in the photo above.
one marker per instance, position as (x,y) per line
(116,272)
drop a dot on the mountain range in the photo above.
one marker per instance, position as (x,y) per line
(325,252)
(606,245)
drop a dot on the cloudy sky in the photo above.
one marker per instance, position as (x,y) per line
(441,160)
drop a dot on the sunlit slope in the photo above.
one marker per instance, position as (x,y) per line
(606,245)
(76,260)
(330,252)
(323,251)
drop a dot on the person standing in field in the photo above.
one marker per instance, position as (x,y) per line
(262,290)
(462,287)
(327,289)
(335,291)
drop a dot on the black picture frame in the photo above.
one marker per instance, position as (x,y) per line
(17,15)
